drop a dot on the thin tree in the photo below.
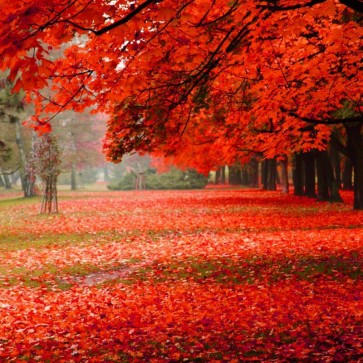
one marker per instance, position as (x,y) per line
(47,166)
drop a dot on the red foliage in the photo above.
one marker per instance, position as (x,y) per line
(239,75)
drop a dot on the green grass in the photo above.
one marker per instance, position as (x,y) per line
(50,275)
(19,201)
(250,271)
(10,242)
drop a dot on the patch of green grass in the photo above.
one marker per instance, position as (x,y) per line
(13,242)
(81,269)
(225,270)
(10,242)
(250,271)
(48,275)
(13,202)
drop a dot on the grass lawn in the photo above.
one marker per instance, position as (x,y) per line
(224,275)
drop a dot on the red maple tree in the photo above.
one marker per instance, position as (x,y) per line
(267,76)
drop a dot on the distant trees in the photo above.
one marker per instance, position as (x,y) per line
(79,136)
(18,140)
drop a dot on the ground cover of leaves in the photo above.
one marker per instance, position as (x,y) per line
(192,276)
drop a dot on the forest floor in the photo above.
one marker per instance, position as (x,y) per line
(216,275)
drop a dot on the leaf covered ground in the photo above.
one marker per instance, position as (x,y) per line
(192,276)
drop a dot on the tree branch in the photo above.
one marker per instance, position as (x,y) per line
(275,7)
(338,144)
(117,23)
(328,121)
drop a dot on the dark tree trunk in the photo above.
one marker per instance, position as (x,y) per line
(323,190)
(269,174)
(264,174)
(245,176)
(27,186)
(220,175)
(298,175)
(355,150)
(278,179)
(2,182)
(335,158)
(284,175)
(272,174)
(332,185)
(348,175)
(327,185)
(223,175)
(234,175)
(309,168)
(253,173)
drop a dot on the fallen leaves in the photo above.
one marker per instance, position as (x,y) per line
(213,275)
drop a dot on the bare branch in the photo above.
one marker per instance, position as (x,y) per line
(117,23)
(328,121)
(273,6)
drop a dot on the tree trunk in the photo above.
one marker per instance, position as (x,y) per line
(330,189)
(272,174)
(106,175)
(7,182)
(323,190)
(309,168)
(223,175)
(74,161)
(234,175)
(245,178)
(50,197)
(355,150)
(348,174)
(26,180)
(4,180)
(264,174)
(14,178)
(253,173)
(298,175)
(284,175)
(335,160)
(278,179)
(140,183)
(73,176)
(269,174)
(218,176)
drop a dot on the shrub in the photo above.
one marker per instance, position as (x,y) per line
(174,179)
(127,182)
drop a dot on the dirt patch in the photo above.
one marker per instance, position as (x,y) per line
(104,276)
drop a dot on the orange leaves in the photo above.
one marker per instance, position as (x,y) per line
(239,63)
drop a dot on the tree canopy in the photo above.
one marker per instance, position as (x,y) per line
(174,75)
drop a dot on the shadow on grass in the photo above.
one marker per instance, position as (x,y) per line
(254,270)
